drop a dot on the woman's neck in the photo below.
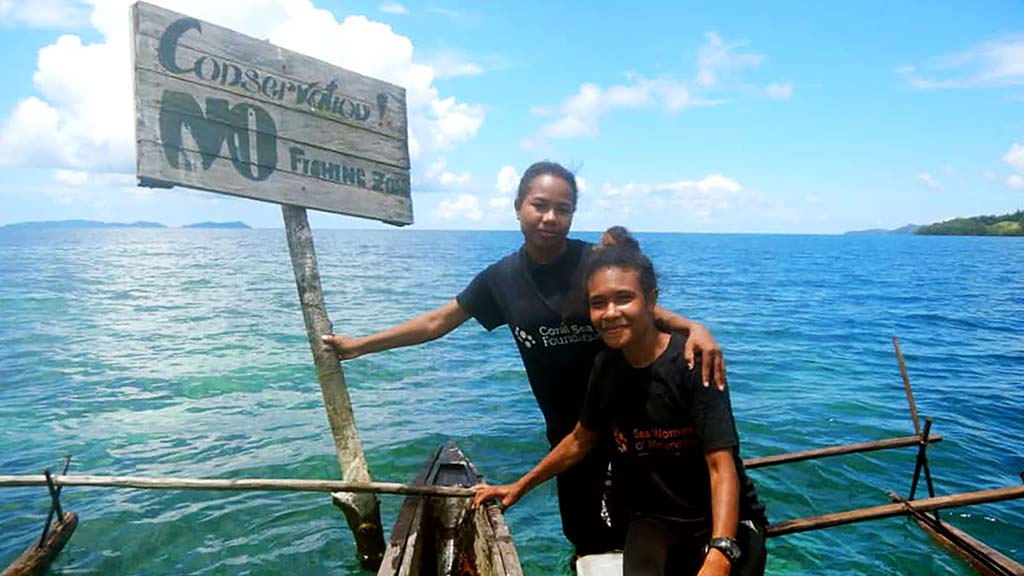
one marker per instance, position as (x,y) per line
(647,348)
(544,255)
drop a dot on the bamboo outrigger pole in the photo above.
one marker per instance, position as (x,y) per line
(899,509)
(362,510)
(237,484)
(986,560)
(870,446)
(906,385)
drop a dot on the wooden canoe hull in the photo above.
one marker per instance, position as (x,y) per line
(443,535)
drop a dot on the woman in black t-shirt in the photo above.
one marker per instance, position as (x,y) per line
(691,507)
(538,292)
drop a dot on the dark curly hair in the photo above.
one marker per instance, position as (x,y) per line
(628,259)
(546,167)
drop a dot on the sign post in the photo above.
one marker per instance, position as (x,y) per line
(219,111)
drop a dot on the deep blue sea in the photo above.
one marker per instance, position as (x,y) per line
(183,352)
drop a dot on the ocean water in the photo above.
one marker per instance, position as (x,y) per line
(183,353)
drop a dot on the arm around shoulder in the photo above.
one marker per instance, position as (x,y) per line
(700,340)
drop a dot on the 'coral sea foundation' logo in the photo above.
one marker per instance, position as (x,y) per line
(523,336)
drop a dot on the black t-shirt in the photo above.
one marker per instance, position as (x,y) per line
(663,421)
(545,307)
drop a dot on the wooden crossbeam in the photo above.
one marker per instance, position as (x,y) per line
(890,510)
(267,484)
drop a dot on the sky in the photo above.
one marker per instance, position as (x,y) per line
(726,117)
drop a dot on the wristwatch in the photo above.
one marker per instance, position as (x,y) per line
(726,546)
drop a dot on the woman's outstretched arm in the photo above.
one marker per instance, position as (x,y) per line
(423,328)
(569,452)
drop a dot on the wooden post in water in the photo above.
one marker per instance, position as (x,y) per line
(361,510)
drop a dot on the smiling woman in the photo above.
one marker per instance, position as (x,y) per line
(687,503)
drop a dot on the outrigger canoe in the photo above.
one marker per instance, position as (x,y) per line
(436,535)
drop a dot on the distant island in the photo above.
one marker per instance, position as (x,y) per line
(908,229)
(84,224)
(49,224)
(1001,225)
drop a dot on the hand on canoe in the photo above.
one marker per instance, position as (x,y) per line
(506,494)
(346,347)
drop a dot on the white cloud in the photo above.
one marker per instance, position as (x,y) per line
(453,122)
(393,8)
(700,200)
(58,14)
(82,115)
(579,114)
(814,199)
(716,58)
(710,184)
(507,180)
(70,177)
(1015,181)
(449,64)
(780,91)
(929,181)
(989,175)
(1015,157)
(464,206)
(997,62)
(438,172)
(446,12)
(450,179)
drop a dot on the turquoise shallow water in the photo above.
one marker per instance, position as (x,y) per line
(182,352)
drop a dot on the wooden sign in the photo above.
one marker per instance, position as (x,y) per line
(220,111)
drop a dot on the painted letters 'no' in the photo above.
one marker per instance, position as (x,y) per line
(248,129)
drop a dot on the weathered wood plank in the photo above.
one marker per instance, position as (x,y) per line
(290,189)
(485,554)
(412,548)
(36,559)
(206,89)
(281,155)
(226,46)
(272,154)
(303,129)
(503,541)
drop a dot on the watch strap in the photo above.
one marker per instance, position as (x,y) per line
(727,546)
